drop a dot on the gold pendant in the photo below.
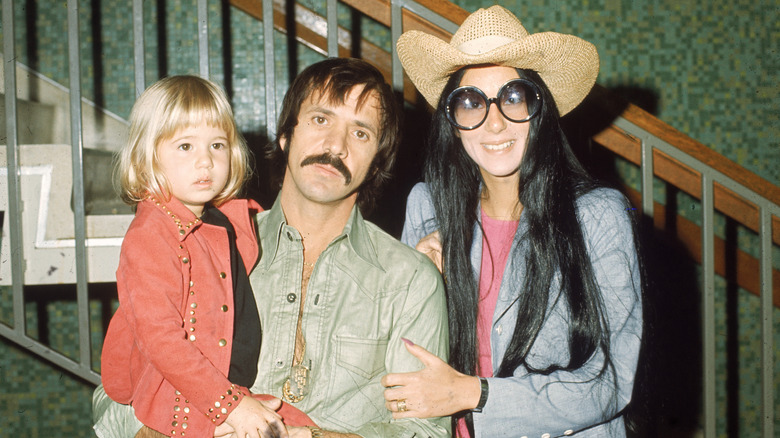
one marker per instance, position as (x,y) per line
(296,387)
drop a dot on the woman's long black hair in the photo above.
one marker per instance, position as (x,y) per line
(551,180)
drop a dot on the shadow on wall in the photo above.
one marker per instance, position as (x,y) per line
(666,400)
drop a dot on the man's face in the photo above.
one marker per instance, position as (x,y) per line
(332,148)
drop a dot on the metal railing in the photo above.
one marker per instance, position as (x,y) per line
(82,367)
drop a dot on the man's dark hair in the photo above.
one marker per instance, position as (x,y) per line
(333,79)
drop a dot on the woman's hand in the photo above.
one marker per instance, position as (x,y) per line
(435,391)
(256,419)
(430,245)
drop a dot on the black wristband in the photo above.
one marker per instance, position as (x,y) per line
(483,395)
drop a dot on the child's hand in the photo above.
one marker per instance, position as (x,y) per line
(257,419)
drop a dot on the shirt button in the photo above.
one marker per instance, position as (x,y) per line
(185,260)
(279,363)
(568,432)
(291,298)
(499,330)
(223,342)
(289,235)
(545,435)
(222,275)
(224,308)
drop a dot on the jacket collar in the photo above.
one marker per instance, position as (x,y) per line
(355,234)
(181,220)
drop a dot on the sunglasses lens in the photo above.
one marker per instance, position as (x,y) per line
(519,101)
(467,107)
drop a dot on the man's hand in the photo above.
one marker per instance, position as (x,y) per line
(435,391)
(256,419)
(430,245)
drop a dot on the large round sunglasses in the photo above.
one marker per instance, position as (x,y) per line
(518,100)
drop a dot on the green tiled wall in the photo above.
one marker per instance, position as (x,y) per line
(709,69)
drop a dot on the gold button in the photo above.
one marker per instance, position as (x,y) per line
(192,320)
(182,232)
(192,292)
(186,409)
(222,342)
(175,423)
(185,260)
(194,305)
(224,410)
(192,283)
(184,426)
(224,308)
(222,275)
(176,408)
(177,392)
(216,404)
(192,338)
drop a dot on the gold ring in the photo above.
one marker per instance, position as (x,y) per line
(401,405)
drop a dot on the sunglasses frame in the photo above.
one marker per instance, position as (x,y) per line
(490,101)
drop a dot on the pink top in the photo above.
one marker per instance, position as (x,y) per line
(496,244)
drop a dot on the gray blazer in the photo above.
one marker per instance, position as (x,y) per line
(562,403)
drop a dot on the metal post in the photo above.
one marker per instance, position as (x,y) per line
(138,47)
(396,28)
(14,217)
(333,29)
(767,338)
(203,38)
(708,303)
(270,63)
(647,179)
(85,351)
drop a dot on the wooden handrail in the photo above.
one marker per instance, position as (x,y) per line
(679,174)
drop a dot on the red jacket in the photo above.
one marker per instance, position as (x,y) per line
(167,349)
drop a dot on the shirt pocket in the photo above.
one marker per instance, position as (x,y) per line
(361,356)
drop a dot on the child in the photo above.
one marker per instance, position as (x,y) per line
(183,346)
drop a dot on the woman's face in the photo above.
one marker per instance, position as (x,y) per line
(497,146)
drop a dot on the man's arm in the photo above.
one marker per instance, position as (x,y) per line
(113,420)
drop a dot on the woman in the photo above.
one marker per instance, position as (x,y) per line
(540,263)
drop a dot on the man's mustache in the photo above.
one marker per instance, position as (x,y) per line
(332,160)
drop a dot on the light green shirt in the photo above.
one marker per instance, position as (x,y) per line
(366,292)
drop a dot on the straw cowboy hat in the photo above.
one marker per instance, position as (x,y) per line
(567,64)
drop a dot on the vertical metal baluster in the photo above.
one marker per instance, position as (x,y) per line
(14,216)
(79,221)
(270,65)
(647,180)
(203,38)
(708,303)
(138,47)
(396,28)
(767,338)
(333,29)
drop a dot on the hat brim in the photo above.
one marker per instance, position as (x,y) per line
(568,65)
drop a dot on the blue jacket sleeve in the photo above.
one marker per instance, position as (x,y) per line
(420,215)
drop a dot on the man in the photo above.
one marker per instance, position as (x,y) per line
(336,295)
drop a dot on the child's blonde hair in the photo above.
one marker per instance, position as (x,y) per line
(171,104)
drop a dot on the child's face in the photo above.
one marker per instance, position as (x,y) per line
(196,163)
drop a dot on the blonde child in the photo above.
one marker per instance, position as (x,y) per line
(182,348)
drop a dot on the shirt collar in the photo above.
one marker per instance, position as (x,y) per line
(355,235)
(181,219)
